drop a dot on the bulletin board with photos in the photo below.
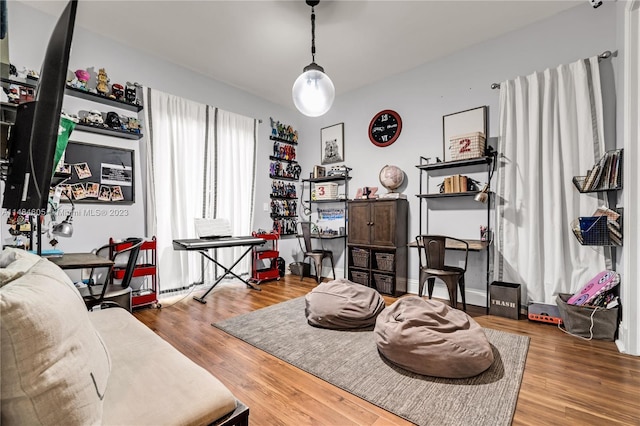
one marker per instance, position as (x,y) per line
(99,174)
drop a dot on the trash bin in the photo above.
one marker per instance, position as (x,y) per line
(504,299)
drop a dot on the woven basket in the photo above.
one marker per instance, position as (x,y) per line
(384,283)
(360,257)
(385,261)
(360,277)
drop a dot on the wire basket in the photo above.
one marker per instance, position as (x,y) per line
(597,231)
(384,283)
(360,257)
(385,261)
(360,277)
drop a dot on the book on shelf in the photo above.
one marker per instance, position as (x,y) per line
(605,174)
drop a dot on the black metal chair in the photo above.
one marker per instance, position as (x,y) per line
(431,252)
(101,288)
(318,255)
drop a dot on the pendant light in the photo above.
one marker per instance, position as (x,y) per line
(313,90)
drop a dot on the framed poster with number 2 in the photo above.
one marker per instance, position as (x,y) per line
(460,123)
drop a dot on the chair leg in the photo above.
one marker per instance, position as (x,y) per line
(461,284)
(333,270)
(421,286)
(431,283)
(318,269)
(452,288)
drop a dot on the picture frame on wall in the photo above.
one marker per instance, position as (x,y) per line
(332,144)
(462,123)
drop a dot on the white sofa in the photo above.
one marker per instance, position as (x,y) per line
(64,365)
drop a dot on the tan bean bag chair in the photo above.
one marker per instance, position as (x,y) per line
(341,304)
(431,338)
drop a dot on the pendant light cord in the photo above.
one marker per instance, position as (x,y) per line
(313,35)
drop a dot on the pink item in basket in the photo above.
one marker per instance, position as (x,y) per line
(602,282)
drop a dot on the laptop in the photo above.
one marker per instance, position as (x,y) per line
(209,229)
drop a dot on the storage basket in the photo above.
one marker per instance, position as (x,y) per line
(384,283)
(326,191)
(385,261)
(578,320)
(360,277)
(597,231)
(360,257)
(469,145)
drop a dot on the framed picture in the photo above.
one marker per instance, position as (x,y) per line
(332,144)
(460,123)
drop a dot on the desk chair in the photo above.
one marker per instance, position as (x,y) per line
(318,255)
(431,253)
(101,287)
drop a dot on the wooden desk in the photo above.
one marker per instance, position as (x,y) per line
(80,261)
(474,245)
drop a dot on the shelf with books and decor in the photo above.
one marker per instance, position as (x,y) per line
(606,174)
(604,226)
(465,197)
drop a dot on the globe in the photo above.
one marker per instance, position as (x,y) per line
(391,177)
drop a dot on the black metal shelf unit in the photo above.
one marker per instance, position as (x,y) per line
(425,167)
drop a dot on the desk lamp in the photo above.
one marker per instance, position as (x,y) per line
(65,228)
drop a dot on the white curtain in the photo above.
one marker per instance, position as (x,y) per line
(551,129)
(235,139)
(185,154)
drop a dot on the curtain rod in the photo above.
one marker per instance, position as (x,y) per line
(604,55)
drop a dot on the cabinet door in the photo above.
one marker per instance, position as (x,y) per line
(359,228)
(383,223)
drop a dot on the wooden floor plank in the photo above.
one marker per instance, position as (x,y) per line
(567,381)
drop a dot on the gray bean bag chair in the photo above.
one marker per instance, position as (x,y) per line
(431,338)
(341,304)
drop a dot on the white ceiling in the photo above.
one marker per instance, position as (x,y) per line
(261,46)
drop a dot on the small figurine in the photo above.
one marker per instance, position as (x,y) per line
(80,80)
(94,117)
(130,93)
(133,125)
(117,92)
(102,86)
(113,121)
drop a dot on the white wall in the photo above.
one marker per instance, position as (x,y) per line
(459,82)
(421,96)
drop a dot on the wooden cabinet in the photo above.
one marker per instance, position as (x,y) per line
(377,242)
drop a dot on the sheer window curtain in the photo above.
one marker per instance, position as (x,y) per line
(182,165)
(551,129)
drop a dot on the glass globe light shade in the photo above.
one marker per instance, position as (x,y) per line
(313,91)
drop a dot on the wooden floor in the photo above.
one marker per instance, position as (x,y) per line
(567,381)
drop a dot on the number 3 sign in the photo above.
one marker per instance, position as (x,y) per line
(460,123)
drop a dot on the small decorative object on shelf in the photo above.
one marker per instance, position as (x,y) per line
(283,132)
(131,93)
(467,146)
(117,92)
(606,175)
(102,86)
(80,80)
(281,189)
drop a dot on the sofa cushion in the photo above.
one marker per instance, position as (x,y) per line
(342,304)
(55,367)
(14,263)
(151,382)
(431,338)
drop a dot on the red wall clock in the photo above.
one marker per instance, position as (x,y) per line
(385,128)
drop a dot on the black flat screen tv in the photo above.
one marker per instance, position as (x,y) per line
(33,137)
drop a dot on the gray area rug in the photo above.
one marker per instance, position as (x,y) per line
(350,360)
